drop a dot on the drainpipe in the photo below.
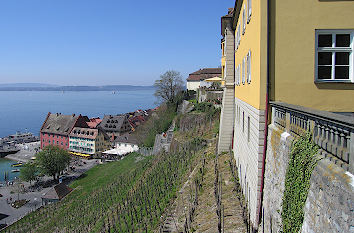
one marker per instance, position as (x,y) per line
(266,114)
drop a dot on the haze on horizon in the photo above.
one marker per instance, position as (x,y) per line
(107,42)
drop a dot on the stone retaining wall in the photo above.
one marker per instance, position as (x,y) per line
(330,203)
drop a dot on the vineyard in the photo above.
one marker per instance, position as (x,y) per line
(129,195)
(138,193)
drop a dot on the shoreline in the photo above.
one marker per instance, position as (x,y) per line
(27,151)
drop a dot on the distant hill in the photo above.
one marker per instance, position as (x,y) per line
(46,87)
(27,85)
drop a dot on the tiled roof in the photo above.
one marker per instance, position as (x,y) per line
(113,123)
(84,133)
(59,124)
(94,122)
(57,192)
(205,73)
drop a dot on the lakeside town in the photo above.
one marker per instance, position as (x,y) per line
(90,141)
(262,143)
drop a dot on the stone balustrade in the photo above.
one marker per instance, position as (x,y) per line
(333,133)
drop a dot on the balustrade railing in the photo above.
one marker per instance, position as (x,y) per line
(333,133)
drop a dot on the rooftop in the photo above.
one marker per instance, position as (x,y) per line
(84,133)
(205,73)
(57,192)
(113,123)
(59,124)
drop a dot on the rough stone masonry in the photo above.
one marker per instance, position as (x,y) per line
(330,202)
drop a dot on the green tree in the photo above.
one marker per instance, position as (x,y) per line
(168,86)
(29,172)
(52,160)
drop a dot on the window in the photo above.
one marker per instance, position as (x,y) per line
(239,35)
(249,12)
(237,39)
(249,67)
(237,82)
(248,128)
(334,56)
(243,122)
(244,19)
(243,70)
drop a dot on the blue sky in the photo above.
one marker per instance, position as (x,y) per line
(100,42)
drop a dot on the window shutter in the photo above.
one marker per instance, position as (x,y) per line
(243,70)
(249,5)
(244,19)
(239,34)
(239,75)
(236,41)
(249,67)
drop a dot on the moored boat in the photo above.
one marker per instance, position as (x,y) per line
(19,164)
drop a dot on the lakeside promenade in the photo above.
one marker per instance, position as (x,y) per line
(35,197)
(27,151)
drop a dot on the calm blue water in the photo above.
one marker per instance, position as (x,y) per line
(5,166)
(20,110)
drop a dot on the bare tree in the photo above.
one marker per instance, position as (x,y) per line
(168,86)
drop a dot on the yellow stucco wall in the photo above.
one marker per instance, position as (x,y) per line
(223,67)
(293,25)
(253,39)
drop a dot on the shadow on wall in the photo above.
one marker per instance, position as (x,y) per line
(335,86)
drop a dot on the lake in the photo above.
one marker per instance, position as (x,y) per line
(26,110)
(5,166)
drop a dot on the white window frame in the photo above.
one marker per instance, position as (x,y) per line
(243,70)
(249,67)
(236,78)
(239,74)
(244,19)
(236,40)
(249,12)
(333,50)
(239,34)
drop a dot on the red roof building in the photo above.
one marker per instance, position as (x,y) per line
(194,79)
(57,127)
(94,122)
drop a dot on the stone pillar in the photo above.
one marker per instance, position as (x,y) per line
(228,102)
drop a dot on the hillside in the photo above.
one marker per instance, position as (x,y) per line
(169,192)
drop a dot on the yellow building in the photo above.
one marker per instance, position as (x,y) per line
(88,141)
(295,52)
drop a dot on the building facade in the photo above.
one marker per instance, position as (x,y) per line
(57,127)
(195,79)
(115,126)
(88,141)
(295,52)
